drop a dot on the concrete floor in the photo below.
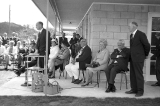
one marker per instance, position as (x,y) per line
(13,87)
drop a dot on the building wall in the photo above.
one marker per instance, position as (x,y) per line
(110,21)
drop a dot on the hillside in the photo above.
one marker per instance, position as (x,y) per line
(4,27)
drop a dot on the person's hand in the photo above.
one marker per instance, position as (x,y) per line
(119,56)
(119,50)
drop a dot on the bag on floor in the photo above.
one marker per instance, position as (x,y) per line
(37,82)
(52,88)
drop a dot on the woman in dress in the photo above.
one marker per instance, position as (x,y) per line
(100,62)
(54,50)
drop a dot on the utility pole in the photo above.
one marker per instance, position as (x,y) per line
(9,19)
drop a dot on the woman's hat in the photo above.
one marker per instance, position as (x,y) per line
(54,40)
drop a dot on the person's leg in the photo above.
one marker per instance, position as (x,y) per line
(107,72)
(19,58)
(113,72)
(158,70)
(139,76)
(87,78)
(68,70)
(23,69)
(75,70)
(41,60)
(7,61)
(133,80)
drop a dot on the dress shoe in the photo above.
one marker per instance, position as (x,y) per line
(85,84)
(113,89)
(130,92)
(25,84)
(17,72)
(74,80)
(109,89)
(139,95)
(78,82)
(6,69)
(156,84)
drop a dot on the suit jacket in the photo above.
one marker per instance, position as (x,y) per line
(5,40)
(157,54)
(84,58)
(63,40)
(123,60)
(139,46)
(73,41)
(41,42)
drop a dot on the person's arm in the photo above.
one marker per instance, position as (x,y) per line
(114,54)
(145,43)
(71,41)
(65,54)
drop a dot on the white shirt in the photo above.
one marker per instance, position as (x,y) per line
(2,50)
(134,33)
(40,30)
(14,52)
(53,52)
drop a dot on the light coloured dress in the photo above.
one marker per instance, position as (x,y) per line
(54,50)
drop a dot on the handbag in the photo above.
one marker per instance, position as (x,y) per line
(52,88)
(93,65)
(37,82)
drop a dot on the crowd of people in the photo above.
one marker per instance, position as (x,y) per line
(13,49)
(75,56)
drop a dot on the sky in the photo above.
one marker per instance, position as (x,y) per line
(23,12)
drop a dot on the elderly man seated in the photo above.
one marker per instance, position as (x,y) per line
(100,62)
(10,54)
(60,60)
(2,51)
(119,62)
(79,63)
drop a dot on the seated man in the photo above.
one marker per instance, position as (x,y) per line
(119,62)
(11,54)
(63,56)
(83,58)
(2,51)
(73,67)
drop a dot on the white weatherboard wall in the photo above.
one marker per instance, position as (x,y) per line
(110,21)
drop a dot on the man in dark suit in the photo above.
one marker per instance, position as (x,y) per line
(157,55)
(63,39)
(119,62)
(84,58)
(79,37)
(72,42)
(40,49)
(41,43)
(140,48)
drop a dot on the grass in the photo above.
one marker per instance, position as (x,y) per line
(74,101)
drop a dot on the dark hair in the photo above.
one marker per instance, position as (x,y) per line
(40,23)
(135,23)
(64,43)
(33,42)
